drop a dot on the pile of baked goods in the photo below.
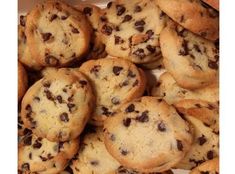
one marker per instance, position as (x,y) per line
(89,102)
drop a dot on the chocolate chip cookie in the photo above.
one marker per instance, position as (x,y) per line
(147,135)
(190,59)
(40,155)
(115,81)
(193,15)
(22,81)
(57,33)
(169,90)
(130,30)
(208,167)
(206,136)
(58,106)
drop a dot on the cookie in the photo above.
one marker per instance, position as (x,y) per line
(57,33)
(193,15)
(40,155)
(147,135)
(115,81)
(197,57)
(24,54)
(22,81)
(206,141)
(171,92)
(123,170)
(212,3)
(58,106)
(93,157)
(157,64)
(208,167)
(130,30)
(207,112)
(93,14)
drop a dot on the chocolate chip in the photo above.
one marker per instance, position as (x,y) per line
(46,84)
(210,155)
(103,18)
(106,30)
(197,162)
(70,99)
(94,162)
(151,48)
(124,152)
(46,36)
(130,108)
(196,47)
(95,69)
(27,140)
(150,33)
(36,98)
(126,122)
(87,11)
(59,98)
(117,70)
(83,83)
(43,158)
(51,60)
(211,107)
(125,83)
(182,18)
(49,95)
(37,144)
(64,117)
(184,50)
(106,111)
(70,106)
(140,23)
(22,20)
(120,9)
(137,9)
(198,105)
(143,117)
(28,108)
(53,17)
(64,17)
(131,74)
(117,28)
(109,4)
(179,145)
(75,30)
(25,167)
(118,40)
(115,101)
(135,83)
(201,140)
(139,53)
(212,64)
(161,126)
(112,137)
(127,18)
(30,155)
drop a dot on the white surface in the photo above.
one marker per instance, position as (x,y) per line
(25,5)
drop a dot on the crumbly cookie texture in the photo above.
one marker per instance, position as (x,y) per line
(208,167)
(93,14)
(171,92)
(130,30)
(39,155)
(193,15)
(197,57)
(145,135)
(58,106)
(206,132)
(57,33)
(114,81)
(22,81)
(24,54)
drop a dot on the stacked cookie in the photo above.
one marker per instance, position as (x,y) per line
(87,103)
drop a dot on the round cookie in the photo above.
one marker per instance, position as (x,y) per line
(24,54)
(212,3)
(130,30)
(93,14)
(43,156)
(58,106)
(206,139)
(57,33)
(115,81)
(22,81)
(208,167)
(190,59)
(93,157)
(171,92)
(193,15)
(147,135)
